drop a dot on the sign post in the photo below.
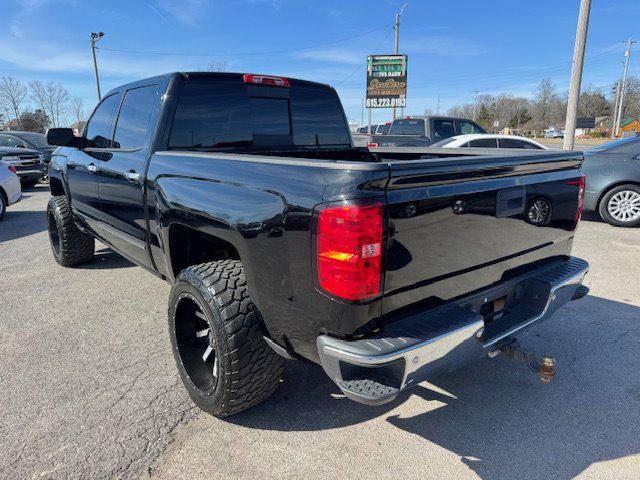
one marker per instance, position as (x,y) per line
(386,81)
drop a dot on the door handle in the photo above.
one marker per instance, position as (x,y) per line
(92,168)
(132,176)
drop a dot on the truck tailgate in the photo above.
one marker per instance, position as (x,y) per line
(457,225)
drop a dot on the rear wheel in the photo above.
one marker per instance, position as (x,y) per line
(217,339)
(620,206)
(69,245)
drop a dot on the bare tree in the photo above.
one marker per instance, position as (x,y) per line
(51,97)
(631,107)
(547,106)
(217,66)
(76,107)
(12,96)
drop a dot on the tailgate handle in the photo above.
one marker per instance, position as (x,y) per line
(510,201)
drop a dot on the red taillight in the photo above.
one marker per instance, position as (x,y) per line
(265,80)
(581,183)
(372,144)
(12,169)
(350,251)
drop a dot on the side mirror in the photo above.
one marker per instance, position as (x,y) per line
(64,137)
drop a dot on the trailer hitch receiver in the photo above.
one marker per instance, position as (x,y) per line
(545,367)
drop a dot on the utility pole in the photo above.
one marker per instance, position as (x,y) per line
(576,74)
(615,110)
(93,38)
(623,87)
(438,108)
(395,48)
(475,104)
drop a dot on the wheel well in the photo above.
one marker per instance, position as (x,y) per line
(4,196)
(611,187)
(191,247)
(55,184)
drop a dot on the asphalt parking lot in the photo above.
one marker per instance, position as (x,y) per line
(89,389)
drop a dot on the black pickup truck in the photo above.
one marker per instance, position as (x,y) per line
(280,239)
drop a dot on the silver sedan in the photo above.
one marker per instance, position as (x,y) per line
(10,189)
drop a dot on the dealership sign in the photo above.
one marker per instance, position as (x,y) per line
(386,81)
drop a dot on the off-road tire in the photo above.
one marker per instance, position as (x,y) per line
(69,245)
(603,209)
(248,370)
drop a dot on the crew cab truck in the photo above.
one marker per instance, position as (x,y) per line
(422,131)
(281,240)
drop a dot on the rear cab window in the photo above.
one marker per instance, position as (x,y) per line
(214,114)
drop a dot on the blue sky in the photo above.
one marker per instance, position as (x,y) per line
(453,47)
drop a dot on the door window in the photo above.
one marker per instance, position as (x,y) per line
(98,131)
(484,143)
(443,129)
(467,127)
(515,143)
(134,117)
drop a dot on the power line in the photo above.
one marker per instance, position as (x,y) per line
(244,54)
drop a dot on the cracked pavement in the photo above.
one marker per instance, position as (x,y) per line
(89,388)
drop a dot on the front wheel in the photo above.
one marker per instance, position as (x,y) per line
(69,245)
(217,338)
(620,206)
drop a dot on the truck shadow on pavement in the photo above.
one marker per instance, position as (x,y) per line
(497,416)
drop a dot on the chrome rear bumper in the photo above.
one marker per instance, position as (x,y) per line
(424,345)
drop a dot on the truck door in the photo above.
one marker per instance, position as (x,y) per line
(122,174)
(83,164)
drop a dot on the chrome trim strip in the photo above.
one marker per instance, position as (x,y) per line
(124,236)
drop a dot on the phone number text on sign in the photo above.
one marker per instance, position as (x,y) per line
(386,102)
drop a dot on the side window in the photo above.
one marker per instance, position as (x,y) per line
(10,141)
(469,127)
(484,143)
(515,143)
(443,129)
(133,120)
(98,130)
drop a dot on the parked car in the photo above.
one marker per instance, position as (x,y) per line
(29,164)
(420,131)
(29,140)
(10,190)
(280,239)
(488,140)
(553,133)
(613,181)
